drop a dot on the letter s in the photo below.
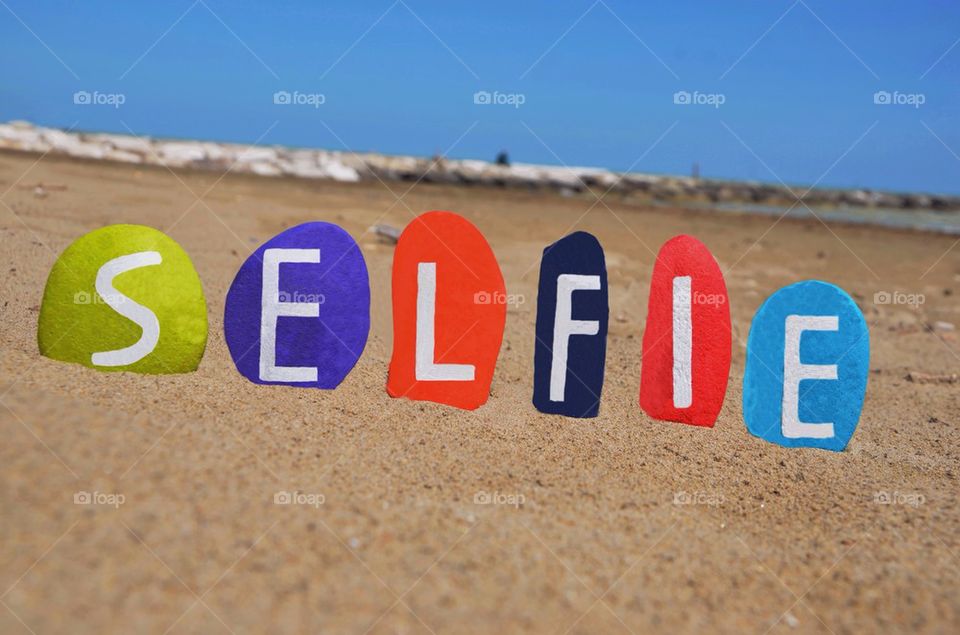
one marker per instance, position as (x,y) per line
(137,313)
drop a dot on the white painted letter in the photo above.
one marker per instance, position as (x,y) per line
(271,308)
(426,369)
(564,327)
(137,313)
(682,343)
(794,371)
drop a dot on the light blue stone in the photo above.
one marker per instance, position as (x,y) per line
(832,334)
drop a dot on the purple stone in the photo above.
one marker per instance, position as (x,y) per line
(298,311)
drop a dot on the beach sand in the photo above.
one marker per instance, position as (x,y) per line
(775,540)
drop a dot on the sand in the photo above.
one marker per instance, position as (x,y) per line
(589,533)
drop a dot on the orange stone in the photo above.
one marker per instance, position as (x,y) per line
(449,311)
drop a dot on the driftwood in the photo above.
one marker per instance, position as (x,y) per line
(387,233)
(926,378)
(50,187)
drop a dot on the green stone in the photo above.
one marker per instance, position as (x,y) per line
(149,315)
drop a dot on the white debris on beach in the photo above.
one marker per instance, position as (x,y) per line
(275,161)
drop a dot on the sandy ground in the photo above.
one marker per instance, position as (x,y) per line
(777,540)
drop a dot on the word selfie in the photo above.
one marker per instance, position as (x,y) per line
(127,298)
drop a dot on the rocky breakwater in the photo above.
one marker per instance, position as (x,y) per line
(203,155)
(350,166)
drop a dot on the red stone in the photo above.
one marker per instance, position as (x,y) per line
(708,364)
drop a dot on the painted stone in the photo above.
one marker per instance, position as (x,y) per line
(808,359)
(571,332)
(449,310)
(686,342)
(298,311)
(124,298)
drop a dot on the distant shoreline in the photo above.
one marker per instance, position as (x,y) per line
(346,166)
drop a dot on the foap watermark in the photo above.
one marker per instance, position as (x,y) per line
(497,297)
(299,297)
(912,499)
(284,497)
(296,98)
(96,98)
(896,98)
(899,298)
(112,299)
(708,299)
(496,98)
(499,498)
(99,498)
(712,499)
(696,98)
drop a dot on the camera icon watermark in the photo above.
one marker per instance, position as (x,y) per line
(497,297)
(696,98)
(284,497)
(496,98)
(896,98)
(499,498)
(899,298)
(96,98)
(99,498)
(296,98)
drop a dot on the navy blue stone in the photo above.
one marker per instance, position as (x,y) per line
(581,254)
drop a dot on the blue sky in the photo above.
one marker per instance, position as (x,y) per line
(597,80)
